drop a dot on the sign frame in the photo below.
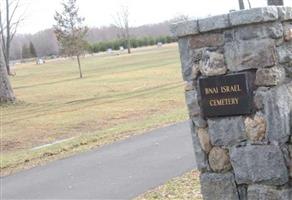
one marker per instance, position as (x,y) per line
(227,95)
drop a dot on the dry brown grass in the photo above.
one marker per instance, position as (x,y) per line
(119,96)
(180,188)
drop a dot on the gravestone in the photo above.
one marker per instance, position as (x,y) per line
(238,73)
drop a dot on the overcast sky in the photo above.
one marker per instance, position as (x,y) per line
(39,13)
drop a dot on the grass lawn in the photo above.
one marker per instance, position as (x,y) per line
(184,187)
(118,97)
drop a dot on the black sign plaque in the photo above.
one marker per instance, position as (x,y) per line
(226,95)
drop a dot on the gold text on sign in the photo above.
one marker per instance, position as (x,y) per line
(223,89)
(224,102)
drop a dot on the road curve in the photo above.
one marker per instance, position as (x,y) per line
(121,170)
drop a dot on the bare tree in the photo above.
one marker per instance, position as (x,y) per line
(9,22)
(275,2)
(122,23)
(6,92)
(241,4)
(70,31)
(249,4)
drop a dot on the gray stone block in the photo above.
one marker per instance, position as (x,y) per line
(272,30)
(218,186)
(262,192)
(254,15)
(192,103)
(285,13)
(259,96)
(226,131)
(199,121)
(250,54)
(187,58)
(285,52)
(201,157)
(270,76)
(277,114)
(259,164)
(213,23)
(184,28)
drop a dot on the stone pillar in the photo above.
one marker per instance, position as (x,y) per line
(244,155)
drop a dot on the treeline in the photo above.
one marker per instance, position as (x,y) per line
(135,42)
(28,51)
(46,44)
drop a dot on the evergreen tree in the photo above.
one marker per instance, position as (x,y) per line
(26,52)
(32,50)
(70,31)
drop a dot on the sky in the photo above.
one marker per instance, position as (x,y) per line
(39,13)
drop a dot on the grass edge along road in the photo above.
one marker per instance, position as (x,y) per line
(127,95)
(24,160)
(185,187)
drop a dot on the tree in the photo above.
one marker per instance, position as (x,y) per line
(32,50)
(9,22)
(25,52)
(45,43)
(70,31)
(122,23)
(241,4)
(275,2)
(6,92)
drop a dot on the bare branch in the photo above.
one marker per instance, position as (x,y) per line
(8,25)
(121,21)
(249,4)
(14,11)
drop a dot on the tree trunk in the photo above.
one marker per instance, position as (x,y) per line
(129,45)
(79,66)
(241,4)
(6,92)
(8,40)
(249,4)
(128,38)
(275,2)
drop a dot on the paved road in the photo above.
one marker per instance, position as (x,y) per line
(119,171)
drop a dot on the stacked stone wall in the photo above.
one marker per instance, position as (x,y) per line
(246,156)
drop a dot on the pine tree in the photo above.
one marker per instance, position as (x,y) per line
(70,31)
(26,52)
(32,50)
